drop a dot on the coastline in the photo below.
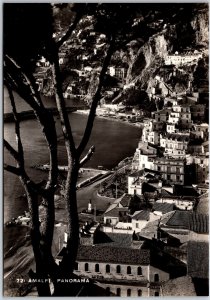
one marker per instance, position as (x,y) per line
(86,112)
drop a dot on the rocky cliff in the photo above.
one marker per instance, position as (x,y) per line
(192,34)
(179,29)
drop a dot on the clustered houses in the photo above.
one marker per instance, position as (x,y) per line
(174,142)
(147,238)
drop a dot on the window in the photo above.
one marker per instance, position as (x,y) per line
(118,292)
(177,177)
(129,292)
(108,291)
(107,268)
(128,270)
(118,269)
(76,266)
(96,267)
(139,271)
(156,278)
(86,267)
(137,225)
(156,294)
(139,293)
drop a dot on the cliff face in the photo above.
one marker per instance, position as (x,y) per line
(147,60)
(145,54)
(200,23)
(192,33)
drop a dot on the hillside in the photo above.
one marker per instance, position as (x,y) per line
(156,34)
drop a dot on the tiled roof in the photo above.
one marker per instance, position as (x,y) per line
(163,207)
(189,220)
(108,254)
(113,205)
(198,259)
(115,239)
(199,223)
(142,215)
(179,219)
(125,201)
(115,212)
(164,193)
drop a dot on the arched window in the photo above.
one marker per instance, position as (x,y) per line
(76,266)
(139,293)
(129,292)
(118,269)
(139,271)
(86,267)
(107,268)
(118,292)
(156,278)
(128,270)
(107,291)
(96,267)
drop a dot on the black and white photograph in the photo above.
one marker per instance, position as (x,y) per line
(106,149)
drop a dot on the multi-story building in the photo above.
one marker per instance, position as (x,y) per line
(170,128)
(181,59)
(171,169)
(118,72)
(143,157)
(126,271)
(150,136)
(150,132)
(161,115)
(174,117)
(175,144)
(201,166)
(201,131)
(135,183)
(198,112)
(181,115)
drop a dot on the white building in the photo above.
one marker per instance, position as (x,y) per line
(201,131)
(175,144)
(170,128)
(181,59)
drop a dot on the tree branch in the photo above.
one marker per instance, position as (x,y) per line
(17,126)
(26,81)
(87,156)
(25,86)
(12,151)
(12,169)
(96,99)
(60,42)
(60,102)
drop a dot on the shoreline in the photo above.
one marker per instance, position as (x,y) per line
(86,112)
